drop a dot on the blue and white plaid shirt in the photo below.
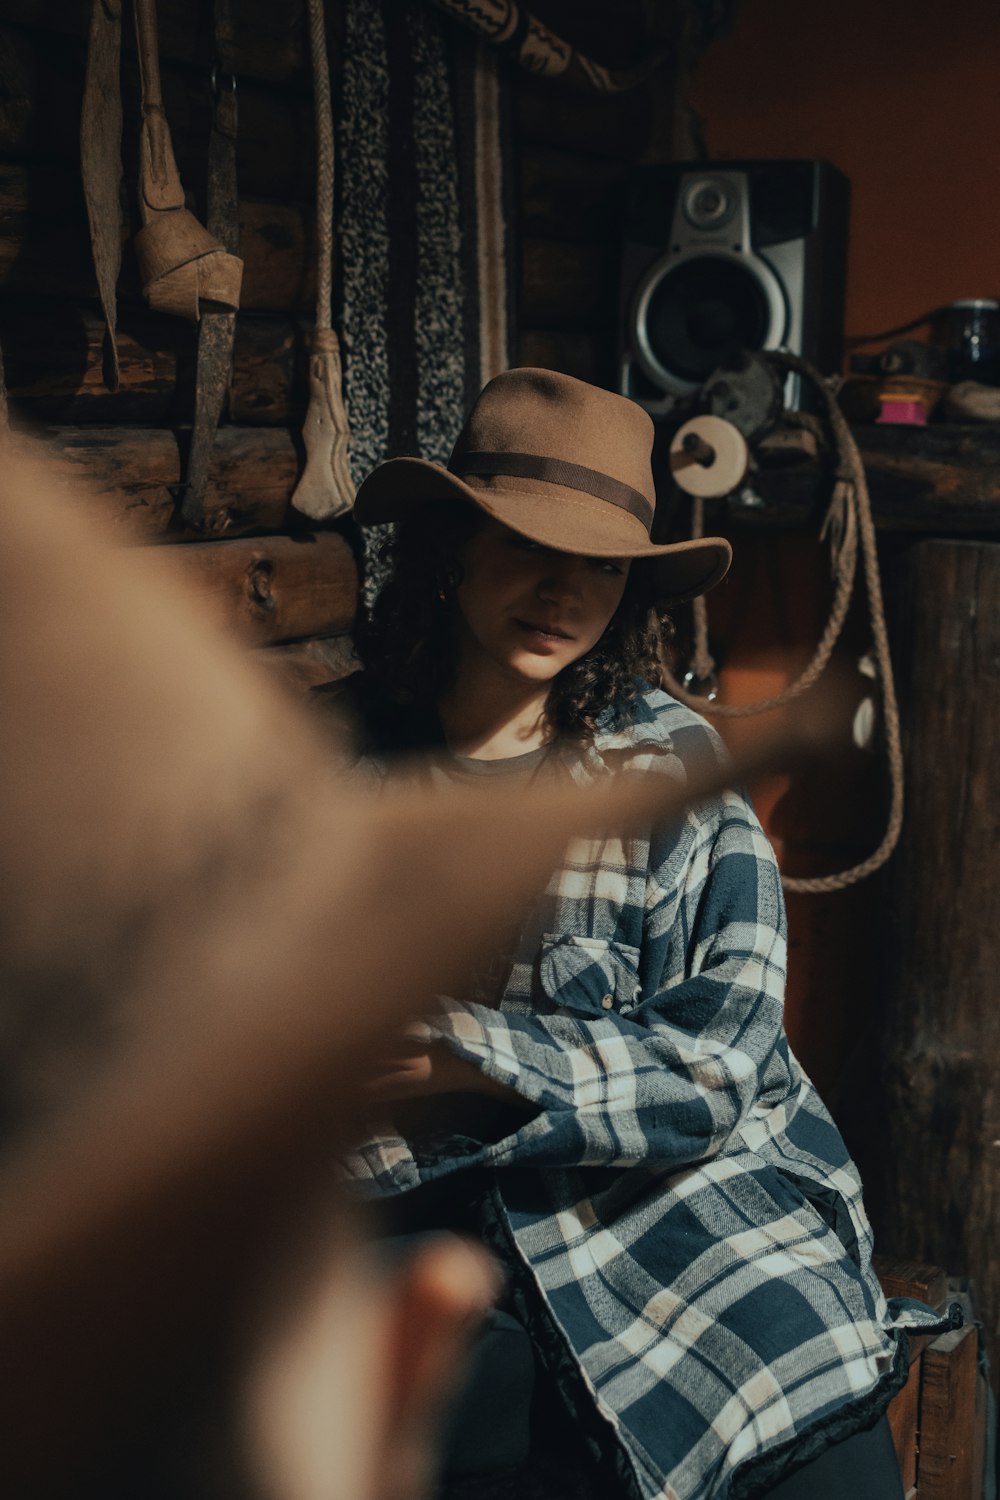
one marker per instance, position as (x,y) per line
(681,1198)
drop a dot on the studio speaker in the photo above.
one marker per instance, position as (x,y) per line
(720,257)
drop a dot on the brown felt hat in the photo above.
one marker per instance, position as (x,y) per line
(562,462)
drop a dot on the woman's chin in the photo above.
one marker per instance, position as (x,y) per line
(536,668)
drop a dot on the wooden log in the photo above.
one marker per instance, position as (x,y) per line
(52,357)
(572,353)
(615,127)
(271,40)
(935,1189)
(948,1419)
(45,245)
(567,196)
(276,588)
(275,142)
(134,475)
(938,479)
(563,285)
(304,665)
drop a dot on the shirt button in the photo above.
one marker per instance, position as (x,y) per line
(607,1002)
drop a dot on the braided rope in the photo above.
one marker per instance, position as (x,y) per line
(703,664)
(848,521)
(324,166)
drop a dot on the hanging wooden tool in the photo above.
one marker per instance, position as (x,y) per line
(181,264)
(325,488)
(514,30)
(217,328)
(101,165)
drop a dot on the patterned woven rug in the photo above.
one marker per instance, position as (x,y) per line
(424,232)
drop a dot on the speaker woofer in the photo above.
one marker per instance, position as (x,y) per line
(693,313)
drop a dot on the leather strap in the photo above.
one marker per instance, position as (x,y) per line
(101,165)
(557,471)
(217,327)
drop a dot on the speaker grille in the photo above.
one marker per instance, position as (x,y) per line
(701,313)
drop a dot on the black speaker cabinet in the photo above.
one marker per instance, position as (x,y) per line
(719,257)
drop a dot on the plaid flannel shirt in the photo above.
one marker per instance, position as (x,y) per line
(680,1198)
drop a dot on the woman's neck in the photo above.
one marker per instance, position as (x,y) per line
(491,719)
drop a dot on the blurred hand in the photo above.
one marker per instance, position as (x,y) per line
(421,1070)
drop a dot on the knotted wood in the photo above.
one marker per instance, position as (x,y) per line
(276,588)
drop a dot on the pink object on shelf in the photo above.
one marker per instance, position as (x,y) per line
(905,412)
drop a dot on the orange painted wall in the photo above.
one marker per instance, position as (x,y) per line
(905,99)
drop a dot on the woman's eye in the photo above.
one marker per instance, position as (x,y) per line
(524,543)
(608,565)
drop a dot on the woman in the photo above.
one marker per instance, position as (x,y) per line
(614,1106)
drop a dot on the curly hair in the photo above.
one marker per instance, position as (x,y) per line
(408,643)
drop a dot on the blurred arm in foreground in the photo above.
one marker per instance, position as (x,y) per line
(197,987)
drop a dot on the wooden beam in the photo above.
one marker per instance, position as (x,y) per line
(276,588)
(134,475)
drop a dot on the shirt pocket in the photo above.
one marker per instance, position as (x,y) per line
(588,976)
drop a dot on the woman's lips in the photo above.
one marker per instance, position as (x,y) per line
(543,634)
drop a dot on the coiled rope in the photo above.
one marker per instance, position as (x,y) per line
(847,524)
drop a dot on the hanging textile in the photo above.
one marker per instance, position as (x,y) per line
(424,232)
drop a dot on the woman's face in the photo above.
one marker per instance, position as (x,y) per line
(529,610)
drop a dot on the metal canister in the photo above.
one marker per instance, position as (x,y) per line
(969,333)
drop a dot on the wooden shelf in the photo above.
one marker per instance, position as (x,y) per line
(941,480)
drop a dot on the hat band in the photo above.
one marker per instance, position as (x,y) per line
(557,471)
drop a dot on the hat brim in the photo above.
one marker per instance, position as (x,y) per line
(564,519)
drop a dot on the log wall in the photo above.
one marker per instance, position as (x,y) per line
(572,151)
(291,591)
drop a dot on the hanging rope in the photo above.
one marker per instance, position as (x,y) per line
(325,488)
(847,524)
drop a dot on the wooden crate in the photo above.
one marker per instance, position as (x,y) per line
(938,1420)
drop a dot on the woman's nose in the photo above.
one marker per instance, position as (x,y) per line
(563,576)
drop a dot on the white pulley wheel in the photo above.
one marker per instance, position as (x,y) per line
(708,457)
